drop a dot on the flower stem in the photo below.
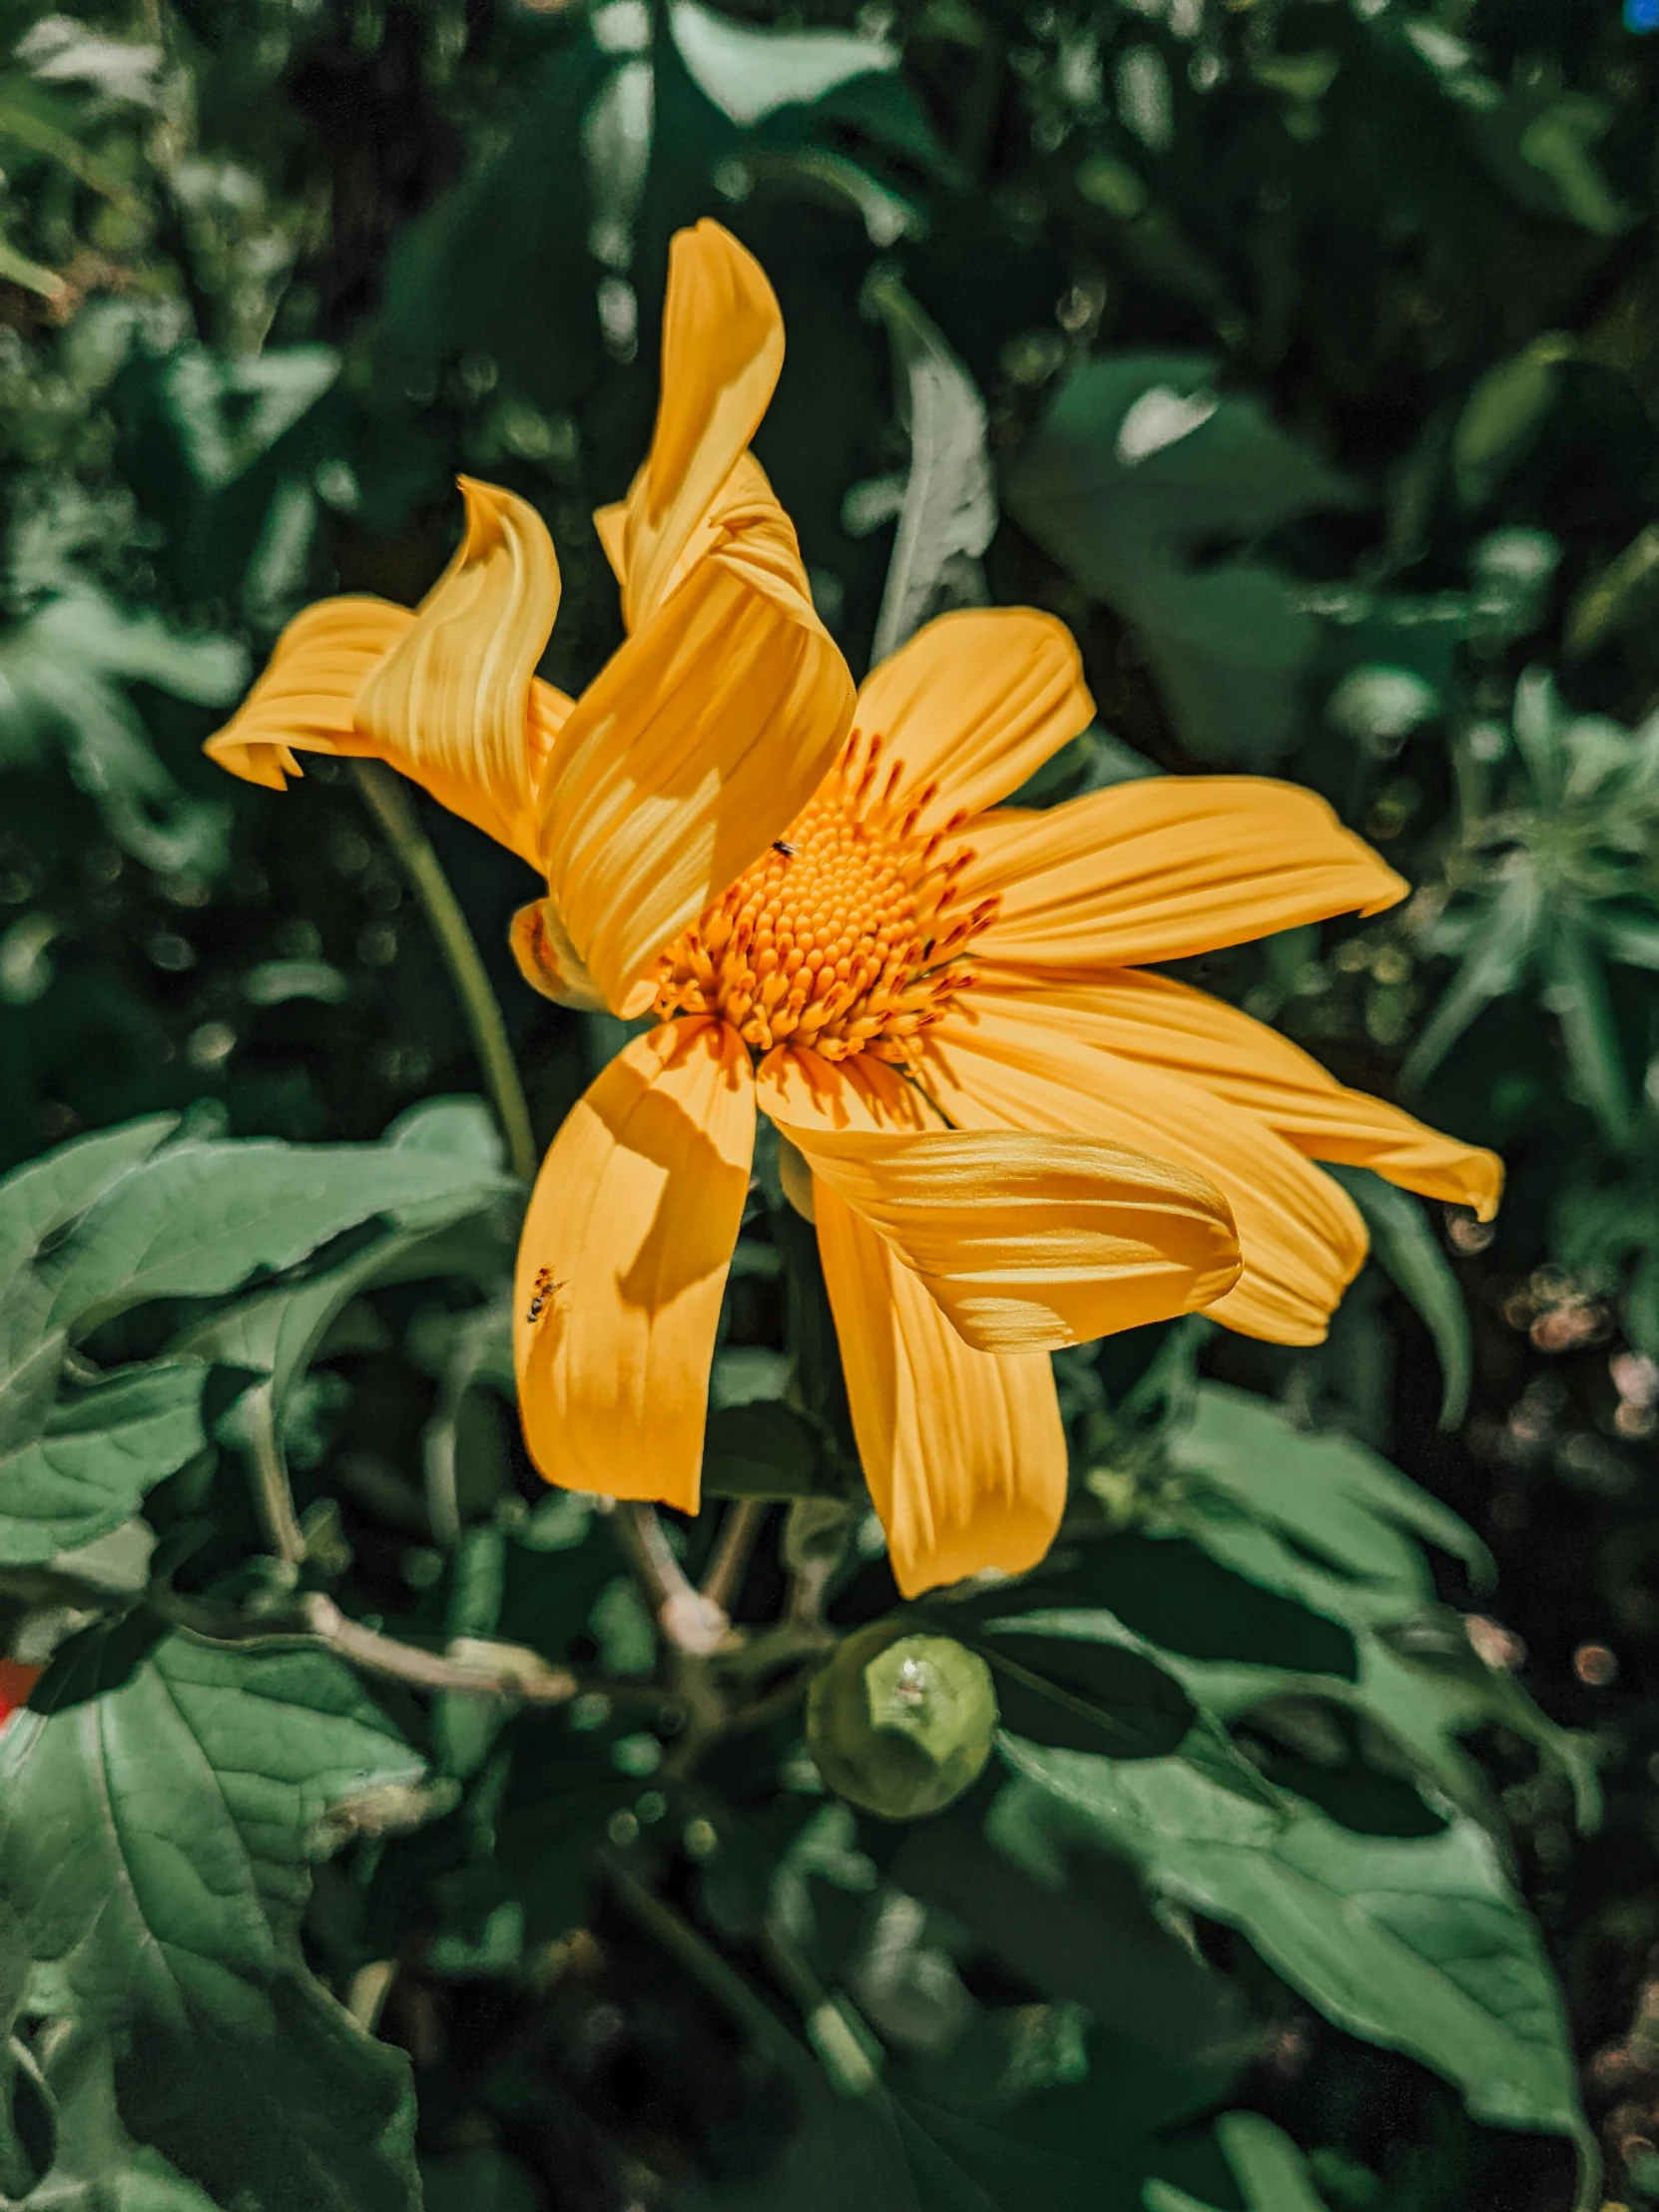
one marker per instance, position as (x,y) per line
(737,1533)
(390,804)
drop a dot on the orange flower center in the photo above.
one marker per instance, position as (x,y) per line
(849,935)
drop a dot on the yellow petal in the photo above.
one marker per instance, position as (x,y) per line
(795,1084)
(1012,1062)
(976,702)
(1169,1025)
(723,347)
(964,1451)
(633,1219)
(548,961)
(1158,869)
(451,703)
(693,749)
(1030,1242)
(305,702)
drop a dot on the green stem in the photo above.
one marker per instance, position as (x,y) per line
(273,1498)
(389,802)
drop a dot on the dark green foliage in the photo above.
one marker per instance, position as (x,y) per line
(366,1845)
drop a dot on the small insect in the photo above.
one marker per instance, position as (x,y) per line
(540,1293)
(780,844)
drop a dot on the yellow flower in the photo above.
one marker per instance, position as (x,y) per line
(1010,1137)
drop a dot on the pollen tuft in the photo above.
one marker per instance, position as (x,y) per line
(849,934)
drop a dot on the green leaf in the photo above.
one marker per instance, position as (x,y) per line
(750,73)
(1409,1255)
(1081,1692)
(1138,467)
(1347,1510)
(161,1804)
(201,1218)
(99,1453)
(760,1450)
(1271,2172)
(1419,1944)
(41,1198)
(949,512)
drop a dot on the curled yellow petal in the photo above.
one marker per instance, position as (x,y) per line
(964,1451)
(693,749)
(1030,1242)
(547,959)
(976,703)
(1014,1062)
(1169,1025)
(723,347)
(623,1260)
(1160,869)
(306,701)
(451,703)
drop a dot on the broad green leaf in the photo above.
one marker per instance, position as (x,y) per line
(1406,1249)
(101,1450)
(204,1218)
(1419,1944)
(748,73)
(1084,1693)
(1336,1501)
(42,1197)
(1137,469)
(161,1804)
(949,512)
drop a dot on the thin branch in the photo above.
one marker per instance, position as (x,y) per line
(389,802)
(691,1622)
(273,1498)
(739,1533)
(471,1666)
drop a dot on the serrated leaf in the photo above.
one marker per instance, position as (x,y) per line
(1337,1501)
(1419,1944)
(161,1804)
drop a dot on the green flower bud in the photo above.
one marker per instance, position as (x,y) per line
(901,1724)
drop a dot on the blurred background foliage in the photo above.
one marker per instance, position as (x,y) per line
(1304,356)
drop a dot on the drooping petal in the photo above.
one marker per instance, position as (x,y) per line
(548,962)
(693,749)
(1030,1242)
(1008,1061)
(306,701)
(1161,869)
(628,1236)
(452,702)
(976,702)
(964,1451)
(722,348)
(1169,1025)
